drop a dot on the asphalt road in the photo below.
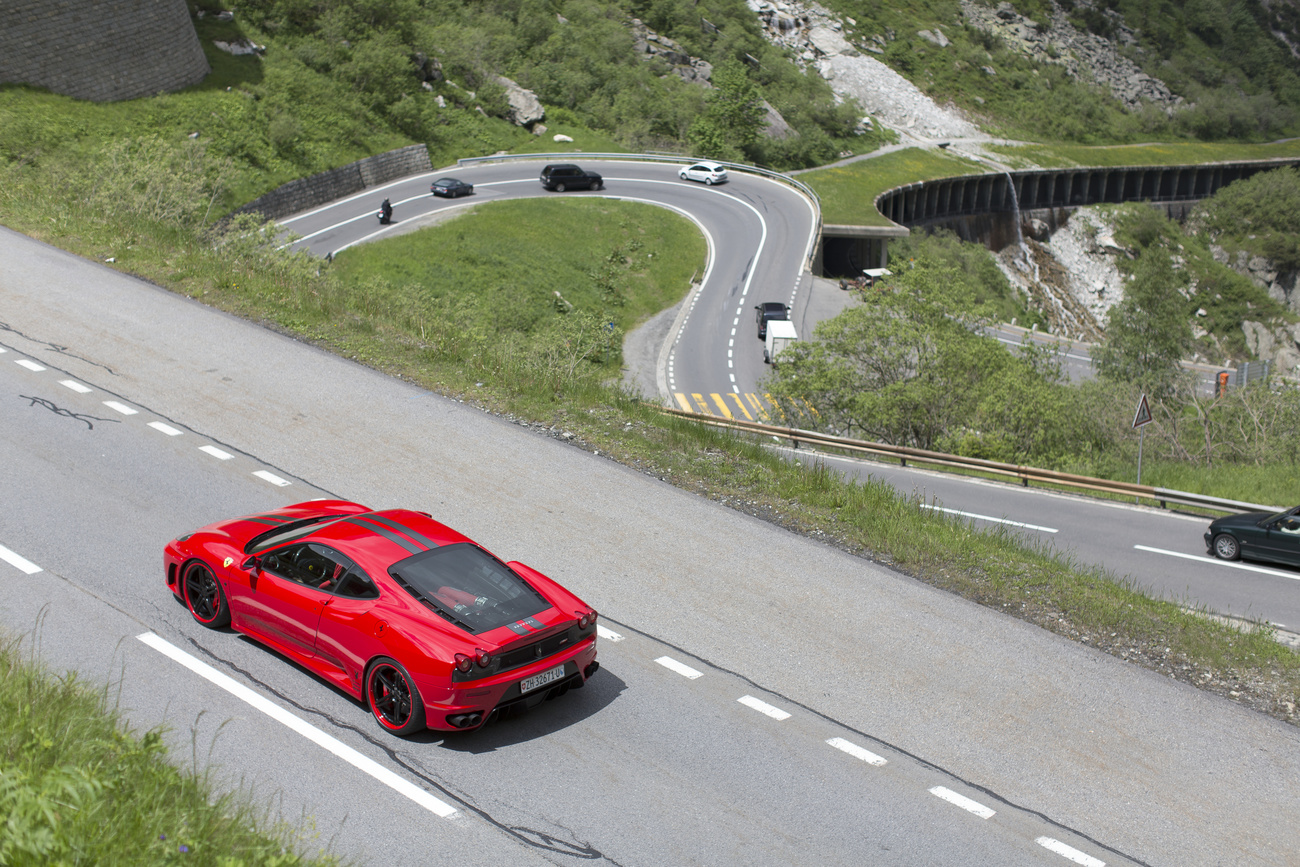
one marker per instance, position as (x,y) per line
(759,234)
(1065,745)
(1161,551)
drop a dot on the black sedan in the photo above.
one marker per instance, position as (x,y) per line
(450,188)
(1257,536)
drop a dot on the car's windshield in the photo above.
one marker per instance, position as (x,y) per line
(467,586)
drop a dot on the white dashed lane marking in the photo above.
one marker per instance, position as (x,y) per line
(302,727)
(857,752)
(216,453)
(272,478)
(673,665)
(763,707)
(607,634)
(120,407)
(1069,852)
(164,428)
(962,801)
(75,386)
(19,562)
(29,364)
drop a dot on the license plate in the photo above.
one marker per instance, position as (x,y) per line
(528,684)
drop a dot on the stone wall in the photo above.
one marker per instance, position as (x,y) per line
(306,193)
(100,50)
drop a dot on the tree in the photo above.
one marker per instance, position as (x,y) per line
(1149,331)
(733,117)
(903,367)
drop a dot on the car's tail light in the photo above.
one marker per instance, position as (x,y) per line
(585,618)
(463,663)
(482,657)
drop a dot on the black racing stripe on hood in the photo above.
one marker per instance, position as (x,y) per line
(402,528)
(370,523)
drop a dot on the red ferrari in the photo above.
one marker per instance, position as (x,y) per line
(400,611)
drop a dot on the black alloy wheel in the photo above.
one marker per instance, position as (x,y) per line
(204,596)
(393,698)
(1226,547)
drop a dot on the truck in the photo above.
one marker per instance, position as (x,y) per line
(780,334)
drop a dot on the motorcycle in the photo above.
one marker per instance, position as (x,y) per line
(385,214)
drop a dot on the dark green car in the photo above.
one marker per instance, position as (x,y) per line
(1257,536)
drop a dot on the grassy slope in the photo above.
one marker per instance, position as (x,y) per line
(77,786)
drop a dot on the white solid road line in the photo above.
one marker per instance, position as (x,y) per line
(1069,852)
(962,801)
(302,727)
(1006,521)
(763,707)
(19,562)
(1231,564)
(857,752)
(673,665)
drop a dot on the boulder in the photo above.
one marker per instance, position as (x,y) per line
(774,126)
(525,108)
(936,36)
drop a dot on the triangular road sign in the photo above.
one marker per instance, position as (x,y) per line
(1143,414)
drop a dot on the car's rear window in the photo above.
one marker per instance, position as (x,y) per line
(467,586)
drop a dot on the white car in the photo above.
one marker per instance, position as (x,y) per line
(709,173)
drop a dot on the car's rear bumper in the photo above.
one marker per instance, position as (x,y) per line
(473,703)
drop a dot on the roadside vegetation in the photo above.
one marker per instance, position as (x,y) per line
(909,366)
(537,338)
(1236,79)
(1025,156)
(80,787)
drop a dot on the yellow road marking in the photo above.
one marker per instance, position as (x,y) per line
(741,404)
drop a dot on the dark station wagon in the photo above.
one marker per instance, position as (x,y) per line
(565,176)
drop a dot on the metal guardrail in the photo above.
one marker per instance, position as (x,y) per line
(1025,474)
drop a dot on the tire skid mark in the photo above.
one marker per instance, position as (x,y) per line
(66,413)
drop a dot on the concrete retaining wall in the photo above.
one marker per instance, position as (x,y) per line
(306,193)
(100,50)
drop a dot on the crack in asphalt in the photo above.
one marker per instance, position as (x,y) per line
(66,413)
(55,347)
(527,836)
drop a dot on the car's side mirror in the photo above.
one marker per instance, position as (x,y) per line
(252,564)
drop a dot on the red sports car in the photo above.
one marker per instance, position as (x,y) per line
(417,620)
